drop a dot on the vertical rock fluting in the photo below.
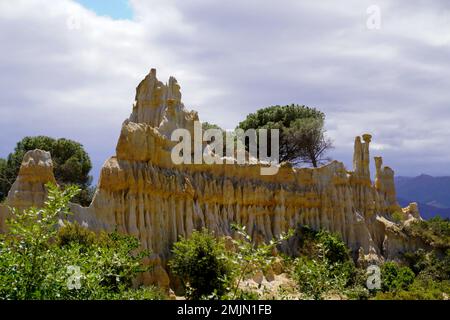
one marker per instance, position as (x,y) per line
(142,193)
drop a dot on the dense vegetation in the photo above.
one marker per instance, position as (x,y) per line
(71,165)
(435,232)
(210,267)
(41,260)
(38,261)
(202,264)
(302,134)
(323,269)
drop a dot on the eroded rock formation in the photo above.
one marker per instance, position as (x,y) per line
(29,188)
(142,193)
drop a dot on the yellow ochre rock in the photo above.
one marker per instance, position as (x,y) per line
(142,193)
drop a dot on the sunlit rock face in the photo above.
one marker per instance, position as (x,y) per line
(142,193)
(29,188)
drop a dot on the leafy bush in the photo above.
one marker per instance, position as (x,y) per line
(250,257)
(397,217)
(201,262)
(39,262)
(325,266)
(314,277)
(439,266)
(435,232)
(209,270)
(421,289)
(332,247)
(74,233)
(417,261)
(395,277)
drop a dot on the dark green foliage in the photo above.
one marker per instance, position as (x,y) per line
(395,277)
(201,262)
(71,165)
(209,270)
(435,232)
(422,288)
(3,181)
(36,259)
(302,138)
(325,265)
(417,261)
(397,217)
(431,267)
(332,246)
(431,282)
(283,116)
(434,264)
(438,267)
(321,244)
(72,233)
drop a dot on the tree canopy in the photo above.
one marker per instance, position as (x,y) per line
(71,164)
(302,134)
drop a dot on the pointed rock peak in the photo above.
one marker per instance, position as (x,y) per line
(174,91)
(149,89)
(29,188)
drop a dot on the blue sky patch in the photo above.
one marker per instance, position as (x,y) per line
(116,9)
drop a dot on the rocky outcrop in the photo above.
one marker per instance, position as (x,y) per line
(29,188)
(141,192)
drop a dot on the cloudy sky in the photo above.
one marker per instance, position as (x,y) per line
(70,68)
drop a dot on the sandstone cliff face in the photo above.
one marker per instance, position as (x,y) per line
(142,193)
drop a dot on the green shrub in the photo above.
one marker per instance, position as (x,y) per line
(313,277)
(74,233)
(332,247)
(202,264)
(397,217)
(39,262)
(439,266)
(421,289)
(435,232)
(325,266)
(250,257)
(417,261)
(395,277)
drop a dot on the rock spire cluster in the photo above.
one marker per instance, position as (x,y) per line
(142,193)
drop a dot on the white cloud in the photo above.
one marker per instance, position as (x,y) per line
(67,72)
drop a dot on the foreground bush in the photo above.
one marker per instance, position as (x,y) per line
(209,270)
(39,262)
(202,264)
(395,277)
(325,265)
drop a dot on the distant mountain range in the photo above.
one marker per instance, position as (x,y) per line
(431,193)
